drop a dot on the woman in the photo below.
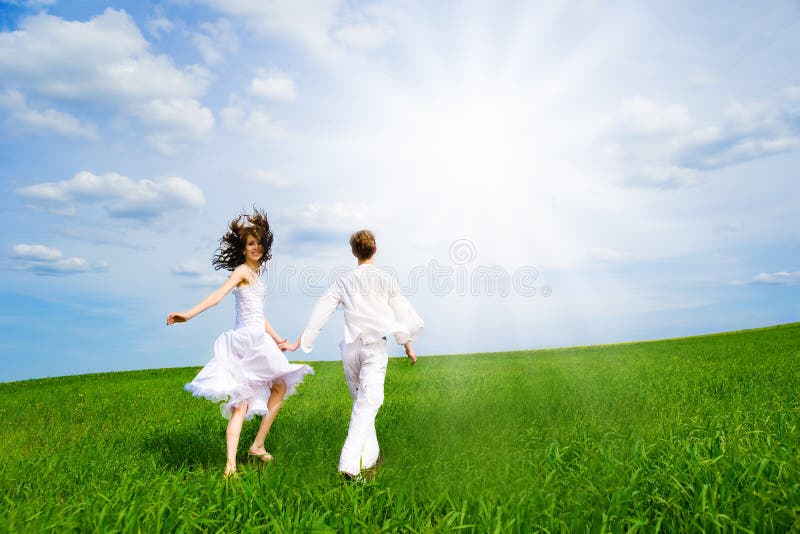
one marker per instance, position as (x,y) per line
(249,371)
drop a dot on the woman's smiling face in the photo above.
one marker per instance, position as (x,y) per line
(253,249)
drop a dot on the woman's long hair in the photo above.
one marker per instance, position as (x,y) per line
(230,253)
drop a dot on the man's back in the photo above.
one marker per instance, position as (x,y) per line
(373,308)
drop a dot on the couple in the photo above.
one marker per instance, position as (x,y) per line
(249,371)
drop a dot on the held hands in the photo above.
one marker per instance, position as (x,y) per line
(291,347)
(177,317)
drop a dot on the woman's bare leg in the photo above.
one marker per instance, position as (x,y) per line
(232,435)
(277,393)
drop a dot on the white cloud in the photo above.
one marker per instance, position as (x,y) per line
(12,100)
(261,124)
(214,40)
(647,135)
(704,79)
(364,35)
(242,116)
(197,274)
(792,92)
(270,178)
(36,252)
(659,145)
(666,177)
(609,255)
(778,278)
(232,116)
(749,131)
(332,215)
(642,116)
(730,227)
(118,195)
(254,121)
(46,121)
(321,27)
(177,122)
(189,268)
(273,84)
(99,65)
(106,58)
(44,260)
(159,26)
(53,121)
(746,115)
(748,149)
(305,23)
(320,227)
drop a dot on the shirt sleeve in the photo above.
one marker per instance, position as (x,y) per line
(322,311)
(409,323)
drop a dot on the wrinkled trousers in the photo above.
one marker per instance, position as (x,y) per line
(365,371)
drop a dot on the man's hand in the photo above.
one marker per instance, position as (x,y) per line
(410,353)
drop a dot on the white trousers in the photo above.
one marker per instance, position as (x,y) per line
(365,371)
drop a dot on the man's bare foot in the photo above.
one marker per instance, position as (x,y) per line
(260,453)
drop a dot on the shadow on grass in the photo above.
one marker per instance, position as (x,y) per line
(204,445)
(182,448)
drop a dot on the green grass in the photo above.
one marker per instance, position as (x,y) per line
(677,435)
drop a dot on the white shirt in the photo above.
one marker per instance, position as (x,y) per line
(373,308)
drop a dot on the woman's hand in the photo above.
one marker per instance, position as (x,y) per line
(177,317)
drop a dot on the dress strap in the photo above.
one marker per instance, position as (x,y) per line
(253,274)
(253,278)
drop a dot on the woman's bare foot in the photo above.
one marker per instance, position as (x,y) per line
(410,353)
(260,453)
(230,470)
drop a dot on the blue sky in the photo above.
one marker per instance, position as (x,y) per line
(538,174)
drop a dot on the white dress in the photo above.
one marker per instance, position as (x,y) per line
(247,361)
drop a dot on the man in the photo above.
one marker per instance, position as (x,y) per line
(373,307)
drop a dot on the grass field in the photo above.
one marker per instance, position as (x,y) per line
(678,435)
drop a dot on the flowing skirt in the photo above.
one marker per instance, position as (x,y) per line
(246,363)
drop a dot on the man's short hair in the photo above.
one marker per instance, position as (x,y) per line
(363,244)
